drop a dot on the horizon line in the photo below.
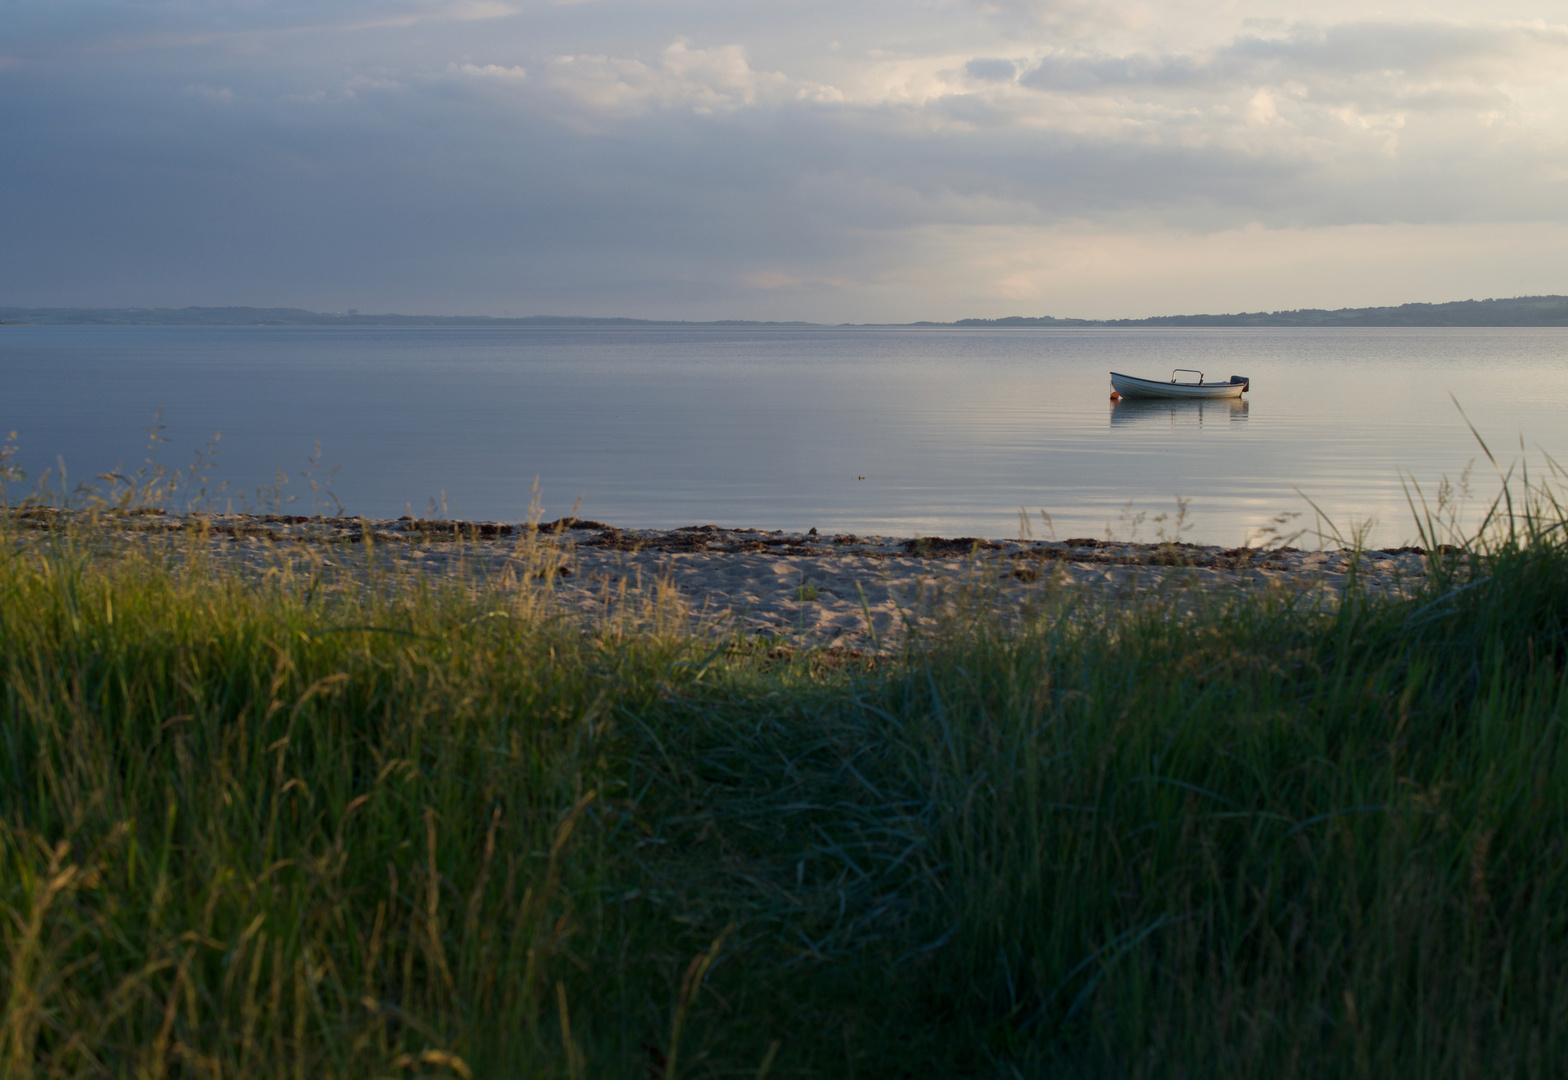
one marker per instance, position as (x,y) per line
(1544,305)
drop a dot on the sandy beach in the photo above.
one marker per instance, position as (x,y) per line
(841,588)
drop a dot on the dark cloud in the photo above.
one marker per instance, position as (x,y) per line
(1386,54)
(173,154)
(991,69)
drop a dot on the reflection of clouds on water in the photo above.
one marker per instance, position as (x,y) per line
(1177,413)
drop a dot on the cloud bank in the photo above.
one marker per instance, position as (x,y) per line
(931,160)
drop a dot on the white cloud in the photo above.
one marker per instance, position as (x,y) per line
(705,81)
(1262,109)
(362,83)
(1304,93)
(490,71)
(1436,63)
(1322,94)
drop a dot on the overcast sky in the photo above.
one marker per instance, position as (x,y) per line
(855,161)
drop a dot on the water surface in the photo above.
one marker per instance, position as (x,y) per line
(953,431)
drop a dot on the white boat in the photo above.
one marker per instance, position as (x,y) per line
(1130,386)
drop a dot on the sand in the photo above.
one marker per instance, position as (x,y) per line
(825,589)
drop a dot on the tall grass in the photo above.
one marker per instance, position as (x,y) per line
(323,822)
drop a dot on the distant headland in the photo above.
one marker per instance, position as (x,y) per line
(1513,311)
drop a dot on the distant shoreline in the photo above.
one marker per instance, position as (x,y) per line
(1514,311)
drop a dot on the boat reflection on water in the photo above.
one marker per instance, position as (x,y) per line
(1177,413)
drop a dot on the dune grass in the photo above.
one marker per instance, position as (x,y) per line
(293,824)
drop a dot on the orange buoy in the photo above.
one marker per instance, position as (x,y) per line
(1115,396)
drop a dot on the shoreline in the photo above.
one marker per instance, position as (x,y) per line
(832,589)
(585,532)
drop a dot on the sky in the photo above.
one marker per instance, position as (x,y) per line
(870,161)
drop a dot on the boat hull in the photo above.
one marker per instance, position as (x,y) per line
(1130,386)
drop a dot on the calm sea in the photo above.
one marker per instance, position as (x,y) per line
(932,431)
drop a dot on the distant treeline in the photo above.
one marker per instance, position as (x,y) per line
(1515,311)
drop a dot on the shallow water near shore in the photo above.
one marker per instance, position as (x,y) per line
(889,430)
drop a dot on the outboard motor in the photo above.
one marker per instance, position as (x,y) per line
(1246,383)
